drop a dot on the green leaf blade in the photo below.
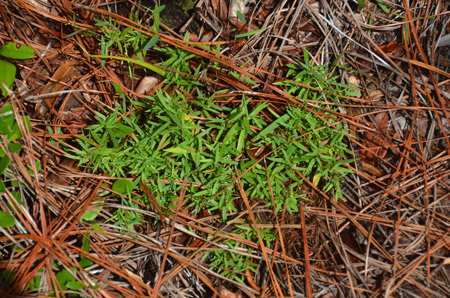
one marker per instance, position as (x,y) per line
(7,75)
(123,186)
(16,51)
(6,220)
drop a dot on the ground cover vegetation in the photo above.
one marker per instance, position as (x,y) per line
(224,148)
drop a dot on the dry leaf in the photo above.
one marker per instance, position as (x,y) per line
(147,84)
(207,37)
(349,240)
(382,120)
(223,12)
(267,2)
(56,178)
(193,37)
(240,25)
(368,168)
(374,141)
(392,48)
(376,95)
(353,80)
(251,281)
(61,75)
(225,293)
(215,4)
(441,60)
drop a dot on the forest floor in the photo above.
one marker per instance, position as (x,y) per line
(205,148)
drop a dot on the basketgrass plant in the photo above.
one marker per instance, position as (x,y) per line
(182,135)
(166,140)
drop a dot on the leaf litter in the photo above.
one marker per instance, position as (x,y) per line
(83,231)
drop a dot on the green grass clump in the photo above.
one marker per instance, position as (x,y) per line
(175,139)
(190,138)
